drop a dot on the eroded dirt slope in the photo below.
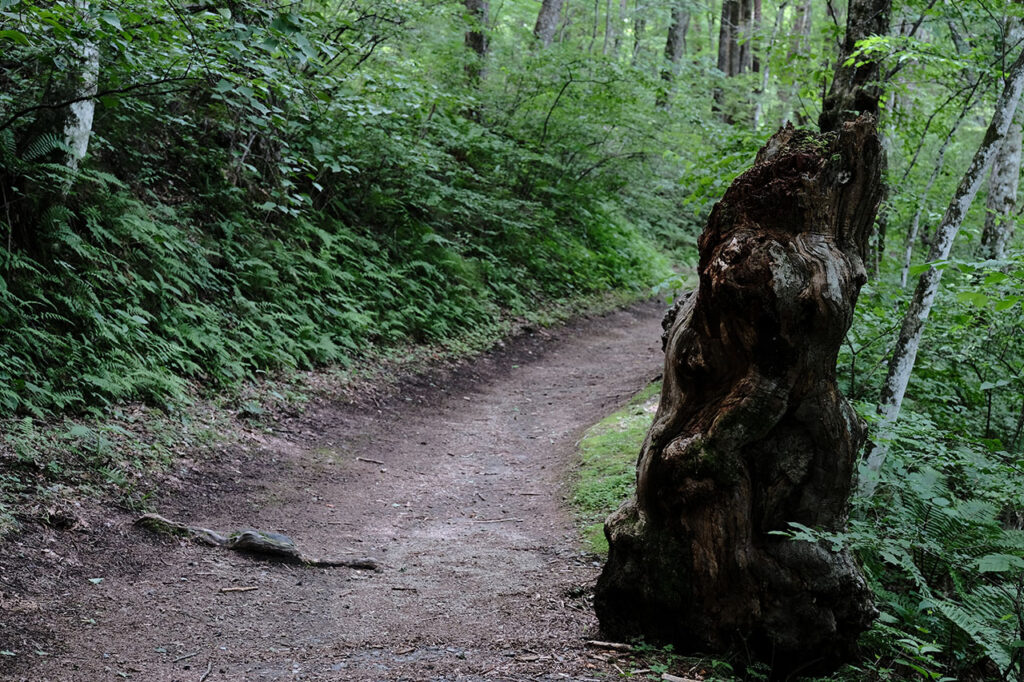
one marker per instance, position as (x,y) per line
(482,576)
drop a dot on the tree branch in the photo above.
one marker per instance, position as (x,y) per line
(102,93)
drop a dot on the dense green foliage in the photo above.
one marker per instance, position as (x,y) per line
(275,185)
(282,186)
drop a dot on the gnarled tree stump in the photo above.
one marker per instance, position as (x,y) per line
(752,432)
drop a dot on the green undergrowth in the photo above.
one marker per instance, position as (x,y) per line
(50,466)
(138,302)
(944,560)
(607,472)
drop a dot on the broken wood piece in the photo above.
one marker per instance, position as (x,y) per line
(185,657)
(497,521)
(666,677)
(369,461)
(616,646)
(238,589)
(209,667)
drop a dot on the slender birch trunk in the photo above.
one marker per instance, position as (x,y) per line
(1002,194)
(547,21)
(905,354)
(85,84)
(915,223)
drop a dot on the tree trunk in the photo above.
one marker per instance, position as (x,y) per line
(623,12)
(901,364)
(1002,194)
(922,202)
(476,37)
(752,432)
(766,68)
(84,83)
(744,47)
(855,88)
(727,32)
(639,26)
(798,46)
(547,21)
(675,47)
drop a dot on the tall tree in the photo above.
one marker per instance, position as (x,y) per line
(675,47)
(623,12)
(904,355)
(547,21)
(799,34)
(639,28)
(728,37)
(1002,193)
(735,46)
(476,36)
(83,86)
(766,68)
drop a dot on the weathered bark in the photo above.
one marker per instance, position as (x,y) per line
(855,89)
(1002,194)
(675,47)
(752,432)
(547,21)
(904,355)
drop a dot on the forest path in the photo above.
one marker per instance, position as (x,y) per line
(483,576)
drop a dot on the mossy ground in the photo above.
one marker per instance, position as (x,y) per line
(607,472)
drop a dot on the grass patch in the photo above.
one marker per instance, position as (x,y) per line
(607,472)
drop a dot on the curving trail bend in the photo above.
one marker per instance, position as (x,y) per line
(483,575)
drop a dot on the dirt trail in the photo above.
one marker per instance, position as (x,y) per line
(483,575)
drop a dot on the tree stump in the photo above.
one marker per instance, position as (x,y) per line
(752,432)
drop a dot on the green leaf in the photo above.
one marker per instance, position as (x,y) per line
(999,563)
(1007,303)
(974,298)
(15,36)
(111,19)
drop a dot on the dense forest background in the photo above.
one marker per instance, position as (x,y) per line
(193,195)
